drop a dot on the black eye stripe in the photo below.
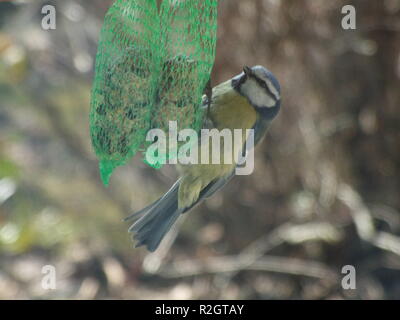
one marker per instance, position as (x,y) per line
(262,84)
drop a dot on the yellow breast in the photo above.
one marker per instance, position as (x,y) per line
(231,110)
(228,110)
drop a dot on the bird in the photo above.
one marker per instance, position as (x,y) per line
(249,100)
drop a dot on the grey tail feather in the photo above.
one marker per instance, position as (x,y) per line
(154,221)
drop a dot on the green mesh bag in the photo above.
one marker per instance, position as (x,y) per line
(153,63)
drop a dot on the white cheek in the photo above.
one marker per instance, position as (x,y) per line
(258,96)
(271,87)
(263,99)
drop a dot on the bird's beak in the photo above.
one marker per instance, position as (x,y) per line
(247,71)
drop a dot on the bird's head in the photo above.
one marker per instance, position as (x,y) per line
(261,89)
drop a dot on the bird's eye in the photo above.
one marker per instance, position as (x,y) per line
(265,86)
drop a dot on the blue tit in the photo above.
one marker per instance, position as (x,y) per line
(250,100)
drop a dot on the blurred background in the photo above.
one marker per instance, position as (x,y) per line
(325,192)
